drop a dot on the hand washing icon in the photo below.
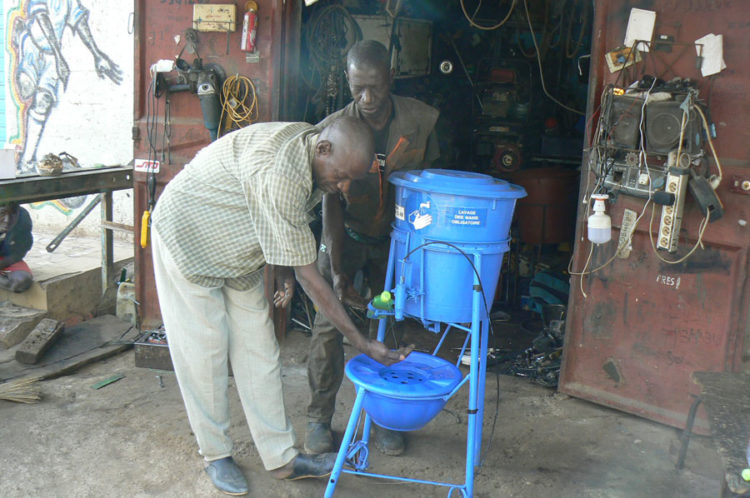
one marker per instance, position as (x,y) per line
(421,218)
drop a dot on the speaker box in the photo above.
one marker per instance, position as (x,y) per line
(663,123)
(624,121)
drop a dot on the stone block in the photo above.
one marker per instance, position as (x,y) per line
(17,322)
(38,341)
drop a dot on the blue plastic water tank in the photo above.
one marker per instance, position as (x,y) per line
(470,211)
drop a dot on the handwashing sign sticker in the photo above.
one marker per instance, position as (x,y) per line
(470,217)
(421,218)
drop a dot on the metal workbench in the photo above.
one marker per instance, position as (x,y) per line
(34,188)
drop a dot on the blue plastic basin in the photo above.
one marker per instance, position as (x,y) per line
(407,395)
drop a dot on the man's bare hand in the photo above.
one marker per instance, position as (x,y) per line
(285,283)
(347,294)
(380,352)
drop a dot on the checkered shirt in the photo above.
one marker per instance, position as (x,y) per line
(242,202)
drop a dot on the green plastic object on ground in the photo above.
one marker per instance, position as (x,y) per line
(108,381)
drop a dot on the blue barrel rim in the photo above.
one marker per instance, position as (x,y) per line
(367,373)
(457,182)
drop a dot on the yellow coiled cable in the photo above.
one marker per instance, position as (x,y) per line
(240,103)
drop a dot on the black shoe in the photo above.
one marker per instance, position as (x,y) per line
(318,438)
(389,442)
(227,476)
(311,466)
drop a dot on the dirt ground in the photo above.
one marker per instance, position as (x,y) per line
(131,438)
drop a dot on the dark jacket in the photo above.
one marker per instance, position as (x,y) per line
(412,144)
(16,242)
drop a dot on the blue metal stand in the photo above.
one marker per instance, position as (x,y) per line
(354,453)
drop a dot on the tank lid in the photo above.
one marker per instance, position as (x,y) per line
(449,181)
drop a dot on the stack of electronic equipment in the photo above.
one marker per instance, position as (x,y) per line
(650,143)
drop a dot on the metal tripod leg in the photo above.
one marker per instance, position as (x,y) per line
(344,448)
(481,390)
(474,410)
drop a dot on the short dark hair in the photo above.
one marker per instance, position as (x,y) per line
(370,53)
(349,132)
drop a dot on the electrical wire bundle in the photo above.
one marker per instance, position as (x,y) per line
(600,163)
(239,104)
(152,111)
(486,28)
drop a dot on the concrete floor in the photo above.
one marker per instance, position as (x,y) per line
(132,438)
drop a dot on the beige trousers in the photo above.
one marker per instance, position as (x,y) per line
(206,327)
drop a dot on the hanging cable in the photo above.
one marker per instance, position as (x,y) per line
(152,111)
(579,43)
(240,104)
(643,159)
(711,145)
(539,63)
(489,322)
(486,28)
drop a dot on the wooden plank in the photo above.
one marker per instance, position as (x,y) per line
(77,346)
(38,341)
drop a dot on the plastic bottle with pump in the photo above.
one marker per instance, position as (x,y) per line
(599,223)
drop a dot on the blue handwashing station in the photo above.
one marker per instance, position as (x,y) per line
(449,237)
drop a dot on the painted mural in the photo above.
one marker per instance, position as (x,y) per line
(69,74)
(40,68)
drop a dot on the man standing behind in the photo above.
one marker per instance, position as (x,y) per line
(356,228)
(241,203)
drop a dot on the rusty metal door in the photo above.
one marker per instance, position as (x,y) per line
(638,327)
(160,33)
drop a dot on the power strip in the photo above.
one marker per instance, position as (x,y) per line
(671,216)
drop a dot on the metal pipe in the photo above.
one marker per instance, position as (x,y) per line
(466,72)
(76,221)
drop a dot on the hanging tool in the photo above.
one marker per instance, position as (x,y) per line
(204,81)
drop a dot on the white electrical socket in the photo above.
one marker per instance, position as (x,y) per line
(671,216)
